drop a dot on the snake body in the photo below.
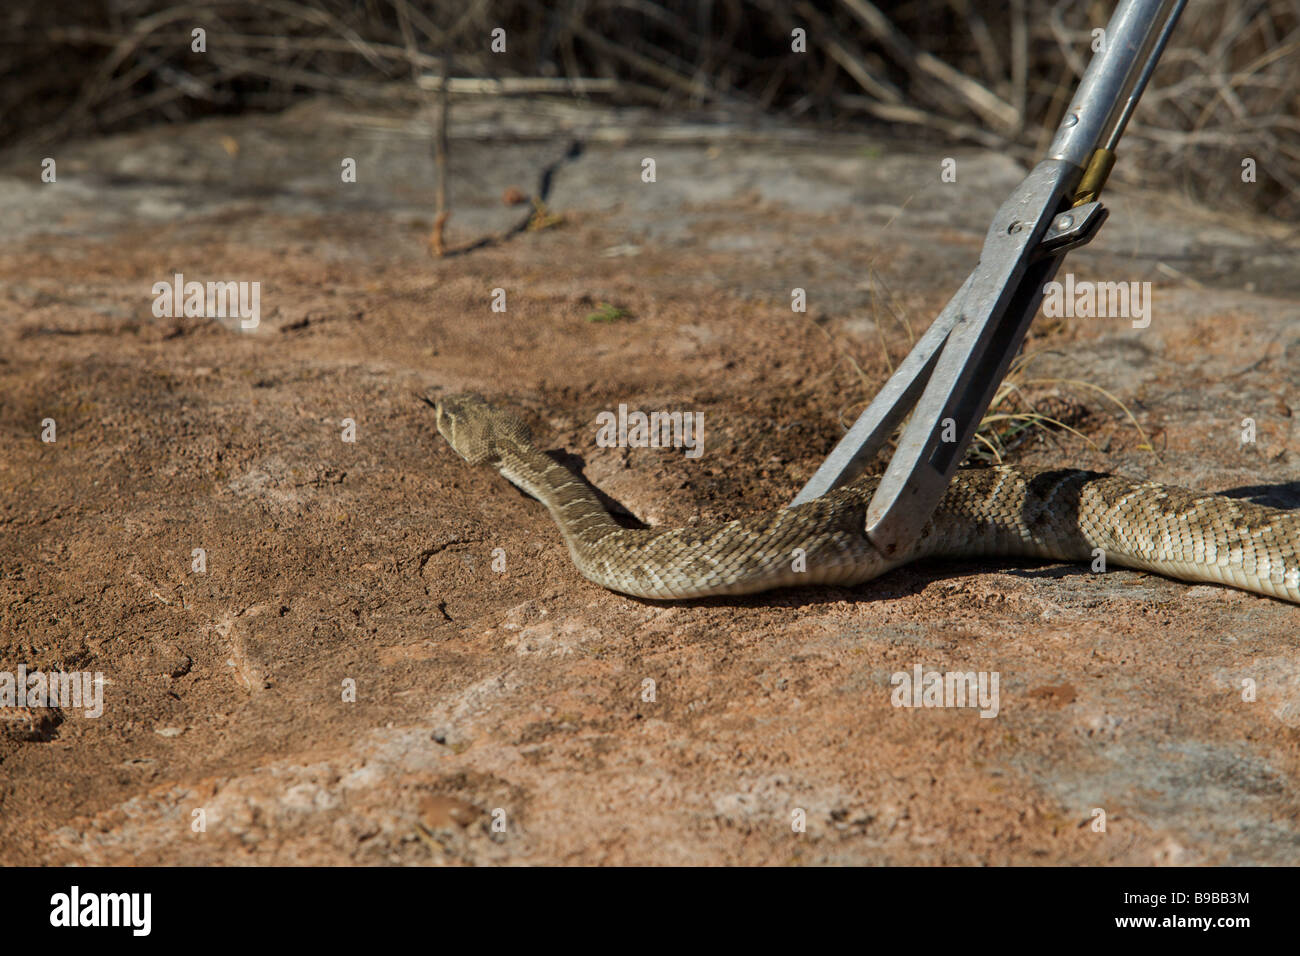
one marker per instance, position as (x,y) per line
(1053,514)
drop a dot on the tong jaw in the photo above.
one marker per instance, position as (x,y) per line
(954,370)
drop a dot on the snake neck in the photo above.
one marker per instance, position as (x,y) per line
(576,509)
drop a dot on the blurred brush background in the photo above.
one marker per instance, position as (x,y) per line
(997,73)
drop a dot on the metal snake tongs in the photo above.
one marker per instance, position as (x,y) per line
(952,374)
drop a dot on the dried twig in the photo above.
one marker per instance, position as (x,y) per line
(437,245)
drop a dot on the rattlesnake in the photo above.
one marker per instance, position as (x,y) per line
(1055,514)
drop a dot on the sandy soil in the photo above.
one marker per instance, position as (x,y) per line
(502,716)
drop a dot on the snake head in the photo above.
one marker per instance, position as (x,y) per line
(478,431)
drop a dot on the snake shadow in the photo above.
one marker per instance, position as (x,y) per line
(1285,496)
(909,580)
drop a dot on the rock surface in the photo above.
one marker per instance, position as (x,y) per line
(526,716)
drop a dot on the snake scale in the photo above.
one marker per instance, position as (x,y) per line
(1053,514)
